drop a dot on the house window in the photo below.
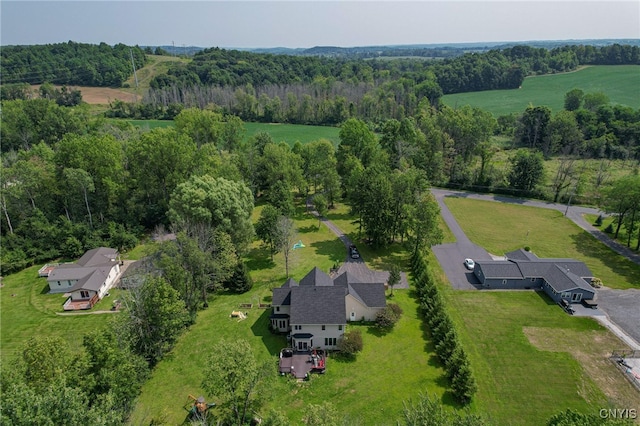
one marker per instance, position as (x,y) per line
(277,308)
(532,279)
(566,295)
(84,294)
(58,282)
(340,327)
(504,282)
(330,341)
(297,327)
(576,297)
(323,327)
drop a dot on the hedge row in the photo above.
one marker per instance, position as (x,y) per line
(446,341)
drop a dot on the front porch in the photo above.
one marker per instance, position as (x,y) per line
(81,304)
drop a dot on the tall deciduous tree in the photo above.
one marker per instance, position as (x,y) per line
(156,316)
(81,180)
(232,374)
(266,228)
(527,170)
(219,203)
(533,127)
(320,204)
(285,237)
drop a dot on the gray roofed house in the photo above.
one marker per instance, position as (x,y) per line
(87,280)
(316,311)
(561,279)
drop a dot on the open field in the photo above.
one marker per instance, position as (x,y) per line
(501,228)
(289,133)
(620,83)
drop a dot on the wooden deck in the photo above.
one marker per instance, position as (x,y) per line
(77,305)
(299,365)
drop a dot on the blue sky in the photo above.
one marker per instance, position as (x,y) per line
(313,23)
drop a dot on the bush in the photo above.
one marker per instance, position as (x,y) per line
(389,316)
(351,343)
(598,221)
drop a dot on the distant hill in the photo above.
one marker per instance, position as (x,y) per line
(434,50)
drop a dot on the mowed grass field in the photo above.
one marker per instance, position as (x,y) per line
(500,228)
(620,83)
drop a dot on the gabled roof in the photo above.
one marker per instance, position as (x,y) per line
(316,278)
(521,254)
(563,280)
(500,269)
(318,305)
(281,296)
(370,294)
(93,281)
(346,278)
(290,282)
(98,257)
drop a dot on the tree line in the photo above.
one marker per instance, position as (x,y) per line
(70,63)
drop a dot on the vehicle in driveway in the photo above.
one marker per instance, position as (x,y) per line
(469,264)
(353,252)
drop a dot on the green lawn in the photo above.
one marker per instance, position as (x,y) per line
(500,228)
(620,83)
(517,382)
(28,311)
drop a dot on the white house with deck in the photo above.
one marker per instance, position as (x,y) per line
(87,280)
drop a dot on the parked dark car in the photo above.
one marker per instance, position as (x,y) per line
(353,252)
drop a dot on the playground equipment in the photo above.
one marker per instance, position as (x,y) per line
(197,408)
(298,245)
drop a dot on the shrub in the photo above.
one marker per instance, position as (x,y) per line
(598,221)
(351,343)
(387,318)
(609,229)
(240,281)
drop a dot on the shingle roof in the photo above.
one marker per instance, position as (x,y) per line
(499,269)
(318,305)
(316,277)
(521,254)
(539,268)
(98,257)
(345,279)
(371,294)
(563,280)
(281,296)
(94,280)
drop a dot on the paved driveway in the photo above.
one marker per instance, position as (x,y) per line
(451,256)
(623,308)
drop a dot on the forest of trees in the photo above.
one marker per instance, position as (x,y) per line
(70,63)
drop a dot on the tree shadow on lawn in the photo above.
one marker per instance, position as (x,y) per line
(330,248)
(308,229)
(260,328)
(591,247)
(259,258)
(331,215)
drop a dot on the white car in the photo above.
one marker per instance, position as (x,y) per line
(469,264)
